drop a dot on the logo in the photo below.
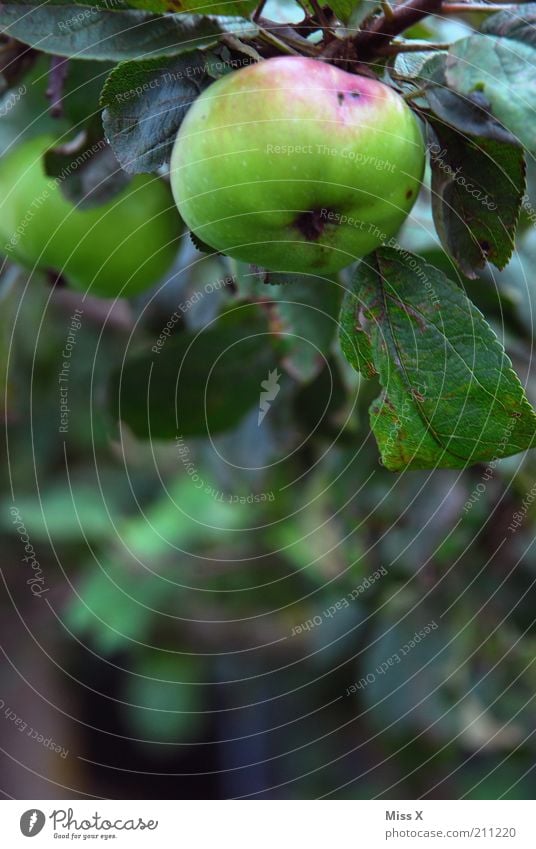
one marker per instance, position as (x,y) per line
(271,390)
(31,822)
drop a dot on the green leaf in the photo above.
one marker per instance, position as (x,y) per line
(477,188)
(165,697)
(144,105)
(504,71)
(342,9)
(450,397)
(86,32)
(412,66)
(469,114)
(66,513)
(240,8)
(115,608)
(98,178)
(196,383)
(518,24)
(123,594)
(303,312)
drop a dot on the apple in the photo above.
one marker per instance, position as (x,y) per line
(296,165)
(117,249)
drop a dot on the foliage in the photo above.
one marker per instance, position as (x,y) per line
(225,477)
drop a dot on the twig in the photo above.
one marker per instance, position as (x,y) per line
(387,10)
(272,39)
(321,17)
(380,31)
(455,8)
(411,47)
(259,10)
(283,33)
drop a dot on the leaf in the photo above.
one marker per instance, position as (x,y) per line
(241,8)
(65,513)
(97,177)
(504,71)
(413,65)
(114,608)
(86,32)
(477,188)
(342,9)
(518,24)
(196,383)
(450,397)
(144,105)
(303,312)
(469,114)
(123,595)
(165,697)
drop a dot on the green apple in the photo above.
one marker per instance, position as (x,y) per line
(119,248)
(295,165)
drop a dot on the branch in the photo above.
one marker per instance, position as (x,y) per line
(380,31)
(456,8)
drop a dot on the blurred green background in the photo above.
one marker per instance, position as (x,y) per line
(235,615)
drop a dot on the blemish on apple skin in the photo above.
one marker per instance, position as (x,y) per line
(409,193)
(340,97)
(312,223)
